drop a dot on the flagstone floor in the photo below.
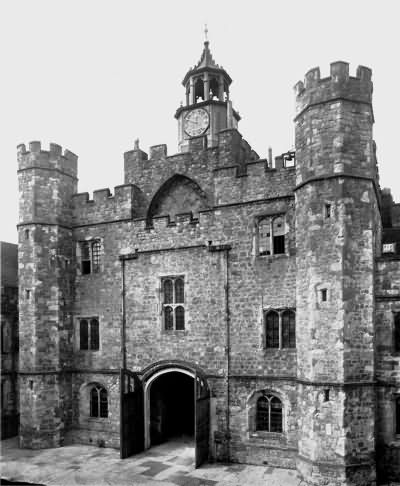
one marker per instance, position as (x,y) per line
(169,464)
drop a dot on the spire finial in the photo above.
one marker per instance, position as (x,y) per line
(205,33)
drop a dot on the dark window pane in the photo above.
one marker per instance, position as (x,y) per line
(168,318)
(84,334)
(276,415)
(272,330)
(288,330)
(398,415)
(397,332)
(85,250)
(103,403)
(85,257)
(279,244)
(96,252)
(180,318)
(94,334)
(94,402)
(168,292)
(179,291)
(262,420)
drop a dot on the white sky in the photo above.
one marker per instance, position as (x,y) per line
(94,75)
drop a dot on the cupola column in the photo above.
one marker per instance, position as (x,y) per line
(187,96)
(221,88)
(191,93)
(206,81)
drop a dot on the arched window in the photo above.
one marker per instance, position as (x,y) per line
(180,318)
(179,293)
(262,414)
(173,303)
(288,329)
(168,318)
(397,332)
(272,330)
(98,402)
(269,414)
(168,292)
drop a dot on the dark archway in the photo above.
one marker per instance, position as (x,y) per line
(172,407)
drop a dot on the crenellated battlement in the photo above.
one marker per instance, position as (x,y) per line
(339,84)
(54,158)
(125,203)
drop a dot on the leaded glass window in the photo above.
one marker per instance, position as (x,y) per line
(173,299)
(98,402)
(269,414)
(89,334)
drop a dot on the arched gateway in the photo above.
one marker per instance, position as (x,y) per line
(166,399)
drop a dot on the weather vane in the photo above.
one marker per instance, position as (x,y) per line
(205,32)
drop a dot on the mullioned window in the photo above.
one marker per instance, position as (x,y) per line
(173,303)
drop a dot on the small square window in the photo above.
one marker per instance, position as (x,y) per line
(328,210)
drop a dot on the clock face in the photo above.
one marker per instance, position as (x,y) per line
(196,122)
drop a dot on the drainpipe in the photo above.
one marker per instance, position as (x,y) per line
(225,250)
(228,353)
(123,329)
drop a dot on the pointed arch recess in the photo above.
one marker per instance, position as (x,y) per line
(178,195)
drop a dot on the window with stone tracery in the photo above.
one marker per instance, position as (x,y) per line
(269,414)
(98,402)
(173,303)
(271,231)
(280,329)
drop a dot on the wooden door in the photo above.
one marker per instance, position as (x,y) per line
(202,420)
(132,414)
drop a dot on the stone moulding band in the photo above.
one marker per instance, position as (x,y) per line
(334,100)
(338,175)
(215,208)
(370,463)
(232,376)
(211,248)
(50,169)
(42,223)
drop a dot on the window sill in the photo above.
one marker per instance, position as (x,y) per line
(280,350)
(262,436)
(276,255)
(176,332)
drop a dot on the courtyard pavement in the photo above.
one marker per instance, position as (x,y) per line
(169,464)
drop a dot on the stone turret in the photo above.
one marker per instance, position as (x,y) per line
(336,213)
(47,180)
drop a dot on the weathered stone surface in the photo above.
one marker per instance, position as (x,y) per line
(195,214)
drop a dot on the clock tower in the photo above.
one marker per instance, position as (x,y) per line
(207,108)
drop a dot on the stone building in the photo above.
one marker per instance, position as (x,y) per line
(252,305)
(9,339)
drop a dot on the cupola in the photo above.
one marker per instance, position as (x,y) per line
(208,108)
